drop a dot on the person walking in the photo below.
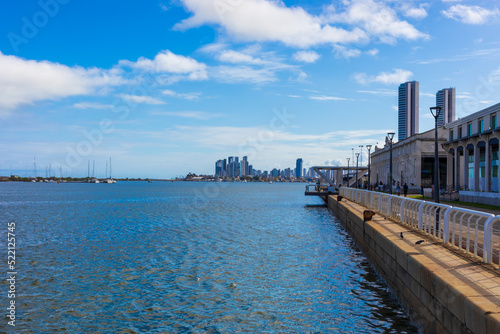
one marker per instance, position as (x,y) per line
(398,189)
(405,189)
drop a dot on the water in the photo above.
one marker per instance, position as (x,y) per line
(177,257)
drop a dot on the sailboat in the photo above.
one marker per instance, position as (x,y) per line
(110,179)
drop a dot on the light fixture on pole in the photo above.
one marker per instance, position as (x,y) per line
(357,156)
(348,172)
(390,136)
(369,147)
(436,112)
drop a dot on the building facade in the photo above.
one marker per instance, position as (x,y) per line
(472,147)
(445,99)
(412,160)
(298,168)
(408,97)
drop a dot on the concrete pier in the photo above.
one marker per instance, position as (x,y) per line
(442,290)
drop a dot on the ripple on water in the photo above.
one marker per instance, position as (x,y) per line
(137,257)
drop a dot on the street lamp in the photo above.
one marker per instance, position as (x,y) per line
(369,147)
(348,172)
(361,160)
(357,156)
(390,136)
(436,111)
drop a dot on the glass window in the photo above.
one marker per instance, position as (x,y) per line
(493,122)
(451,135)
(469,129)
(481,126)
(460,132)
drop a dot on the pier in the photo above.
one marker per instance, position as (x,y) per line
(441,262)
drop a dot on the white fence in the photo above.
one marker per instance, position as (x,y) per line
(470,231)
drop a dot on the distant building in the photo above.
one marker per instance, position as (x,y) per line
(244,166)
(298,168)
(445,98)
(408,95)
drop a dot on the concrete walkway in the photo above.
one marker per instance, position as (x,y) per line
(444,281)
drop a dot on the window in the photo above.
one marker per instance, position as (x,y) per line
(493,122)
(469,129)
(460,132)
(481,126)
(451,135)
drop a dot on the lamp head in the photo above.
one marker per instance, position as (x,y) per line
(435,111)
(390,135)
(369,147)
(357,155)
(348,159)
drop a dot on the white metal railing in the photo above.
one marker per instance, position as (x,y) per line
(474,232)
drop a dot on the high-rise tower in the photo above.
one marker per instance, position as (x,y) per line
(407,109)
(298,168)
(445,98)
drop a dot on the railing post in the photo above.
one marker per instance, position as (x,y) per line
(389,206)
(487,244)
(446,225)
(379,203)
(402,210)
(420,215)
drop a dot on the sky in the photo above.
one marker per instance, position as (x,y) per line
(164,88)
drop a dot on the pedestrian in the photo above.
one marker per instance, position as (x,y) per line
(405,189)
(398,189)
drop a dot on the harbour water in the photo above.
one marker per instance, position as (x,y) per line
(187,257)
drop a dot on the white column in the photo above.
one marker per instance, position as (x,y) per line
(476,166)
(465,174)
(487,163)
(457,167)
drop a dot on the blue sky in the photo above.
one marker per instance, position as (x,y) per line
(168,87)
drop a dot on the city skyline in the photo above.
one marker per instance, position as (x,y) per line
(167,88)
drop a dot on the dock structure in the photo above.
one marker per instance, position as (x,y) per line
(343,176)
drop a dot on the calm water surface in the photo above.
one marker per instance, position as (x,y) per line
(180,257)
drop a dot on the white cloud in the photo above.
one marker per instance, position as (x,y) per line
(140,99)
(470,14)
(201,115)
(397,76)
(294,96)
(382,92)
(236,57)
(329,98)
(306,56)
(416,13)
(27,81)
(168,62)
(91,105)
(186,96)
(276,22)
(245,74)
(372,52)
(343,52)
(377,19)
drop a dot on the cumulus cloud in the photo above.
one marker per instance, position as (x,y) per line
(416,13)
(276,22)
(236,57)
(470,14)
(376,19)
(243,74)
(397,76)
(306,56)
(27,81)
(169,62)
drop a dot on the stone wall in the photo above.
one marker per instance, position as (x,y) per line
(438,300)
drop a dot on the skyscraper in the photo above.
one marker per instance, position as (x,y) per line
(298,168)
(244,166)
(445,98)
(407,109)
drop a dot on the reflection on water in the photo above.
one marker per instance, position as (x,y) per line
(189,257)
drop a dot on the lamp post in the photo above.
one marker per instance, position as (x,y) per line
(369,147)
(357,156)
(348,172)
(361,161)
(390,136)
(436,111)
